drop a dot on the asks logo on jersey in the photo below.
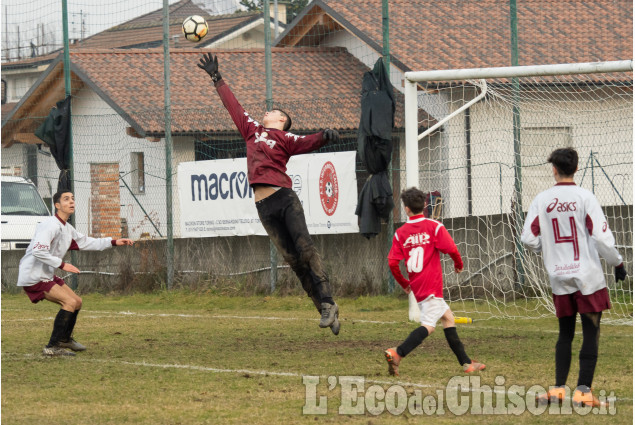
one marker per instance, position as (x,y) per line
(40,246)
(417,239)
(561,206)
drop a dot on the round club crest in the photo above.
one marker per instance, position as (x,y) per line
(329,190)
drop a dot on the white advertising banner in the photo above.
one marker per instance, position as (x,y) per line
(216,199)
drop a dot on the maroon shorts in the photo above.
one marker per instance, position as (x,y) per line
(570,304)
(36,292)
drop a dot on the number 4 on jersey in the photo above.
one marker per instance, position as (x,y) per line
(572,238)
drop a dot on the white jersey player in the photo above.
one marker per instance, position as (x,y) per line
(53,238)
(567,224)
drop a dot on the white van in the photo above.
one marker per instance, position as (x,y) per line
(22,210)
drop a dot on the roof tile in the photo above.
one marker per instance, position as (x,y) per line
(450,34)
(133,80)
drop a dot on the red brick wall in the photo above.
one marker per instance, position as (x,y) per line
(104,201)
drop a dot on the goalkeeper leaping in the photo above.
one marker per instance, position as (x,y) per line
(269,147)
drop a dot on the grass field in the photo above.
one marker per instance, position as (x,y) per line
(194,358)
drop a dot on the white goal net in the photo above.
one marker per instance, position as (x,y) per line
(487,159)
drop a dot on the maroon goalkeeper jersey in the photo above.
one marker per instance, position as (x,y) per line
(268,149)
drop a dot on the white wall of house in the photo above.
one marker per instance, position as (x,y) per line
(19,81)
(182,151)
(99,136)
(364,53)
(14,162)
(602,127)
(251,36)
(435,151)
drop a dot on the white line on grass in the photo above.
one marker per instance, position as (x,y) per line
(110,314)
(278,373)
(53,318)
(299,375)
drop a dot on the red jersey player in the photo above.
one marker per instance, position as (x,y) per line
(418,242)
(567,224)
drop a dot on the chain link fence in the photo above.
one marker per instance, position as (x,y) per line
(119,152)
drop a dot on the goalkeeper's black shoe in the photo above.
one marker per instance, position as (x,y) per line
(72,344)
(335,327)
(329,314)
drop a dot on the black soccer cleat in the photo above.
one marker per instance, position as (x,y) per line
(72,344)
(335,327)
(329,314)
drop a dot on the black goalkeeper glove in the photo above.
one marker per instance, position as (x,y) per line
(331,136)
(620,273)
(210,65)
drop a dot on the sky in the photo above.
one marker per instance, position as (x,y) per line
(40,21)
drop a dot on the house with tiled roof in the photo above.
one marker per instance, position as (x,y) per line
(457,34)
(244,30)
(454,34)
(119,125)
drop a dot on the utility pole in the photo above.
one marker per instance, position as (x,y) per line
(6,34)
(18,49)
(168,145)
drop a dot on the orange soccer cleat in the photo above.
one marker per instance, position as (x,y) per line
(583,397)
(393,360)
(473,367)
(555,395)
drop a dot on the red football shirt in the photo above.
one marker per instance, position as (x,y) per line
(419,242)
(268,149)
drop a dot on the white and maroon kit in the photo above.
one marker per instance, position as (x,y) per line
(53,239)
(567,224)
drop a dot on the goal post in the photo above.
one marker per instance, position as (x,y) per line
(487,157)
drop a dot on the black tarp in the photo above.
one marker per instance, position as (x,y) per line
(55,132)
(374,146)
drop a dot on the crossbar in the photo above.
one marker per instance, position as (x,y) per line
(520,71)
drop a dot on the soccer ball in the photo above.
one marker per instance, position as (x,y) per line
(329,189)
(194,28)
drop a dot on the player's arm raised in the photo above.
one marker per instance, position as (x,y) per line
(305,144)
(244,123)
